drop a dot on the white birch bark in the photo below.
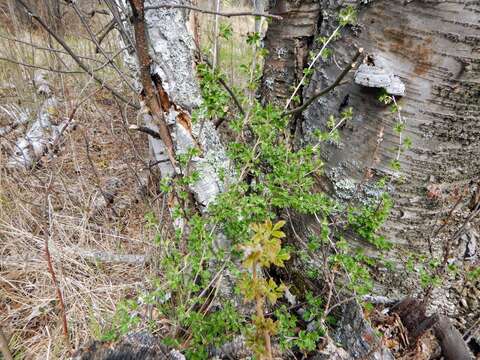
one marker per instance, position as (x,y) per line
(44,131)
(171,49)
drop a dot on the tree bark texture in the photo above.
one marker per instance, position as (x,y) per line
(173,79)
(288,41)
(434,47)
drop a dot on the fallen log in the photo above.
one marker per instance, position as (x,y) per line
(45,130)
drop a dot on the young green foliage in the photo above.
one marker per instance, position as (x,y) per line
(263,250)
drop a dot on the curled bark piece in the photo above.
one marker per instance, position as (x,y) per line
(44,130)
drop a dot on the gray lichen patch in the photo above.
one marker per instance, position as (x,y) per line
(172,52)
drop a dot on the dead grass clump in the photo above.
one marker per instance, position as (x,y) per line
(100,248)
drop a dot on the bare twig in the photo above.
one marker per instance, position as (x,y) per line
(110,26)
(219,13)
(44,48)
(40,67)
(325,44)
(58,71)
(215,35)
(99,47)
(48,234)
(74,56)
(327,89)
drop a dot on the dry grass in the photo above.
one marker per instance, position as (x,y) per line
(234,51)
(73,219)
(60,200)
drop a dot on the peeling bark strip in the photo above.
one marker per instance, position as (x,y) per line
(46,130)
(144,60)
(170,75)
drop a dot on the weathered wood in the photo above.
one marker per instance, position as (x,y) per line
(451,341)
(139,346)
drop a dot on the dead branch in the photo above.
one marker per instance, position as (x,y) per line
(44,48)
(75,57)
(211,12)
(89,255)
(104,32)
(99,47)
(146,130)
(325,91)
(40,67)
(43,132)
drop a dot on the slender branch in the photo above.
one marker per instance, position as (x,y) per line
(215,40)
(206,11)
(75,57)
(328,89)
(228,89)
(44,48)
(48,234)
(40,67)
(223,83)
(325,44)
(110,26)
(98,46)
(71,72)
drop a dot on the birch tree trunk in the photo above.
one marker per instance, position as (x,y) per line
(173,74)
(433,47)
